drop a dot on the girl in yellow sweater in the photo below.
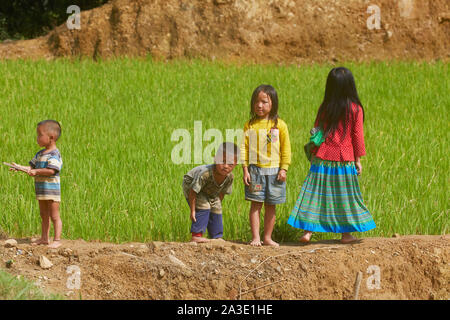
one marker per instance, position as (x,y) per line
(266,154)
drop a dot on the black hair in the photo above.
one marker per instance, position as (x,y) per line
(272,93)
(53,126)
(228,151)
(340,93)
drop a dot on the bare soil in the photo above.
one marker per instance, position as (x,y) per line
(277,31)
(409,267)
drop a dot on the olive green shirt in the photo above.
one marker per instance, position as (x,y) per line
(201,181)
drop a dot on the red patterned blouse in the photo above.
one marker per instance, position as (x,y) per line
(338,147)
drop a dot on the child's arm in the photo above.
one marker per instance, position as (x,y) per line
(246,176)
(244,155)
(41,172)
(285,146)
(359,148)
(191,199)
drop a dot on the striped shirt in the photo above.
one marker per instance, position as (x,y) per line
(47,187)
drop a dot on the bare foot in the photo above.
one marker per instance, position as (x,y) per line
(256,243)
(348,238)
(55,244)
(39,242)
(199,239)
(306,237)
(270,242)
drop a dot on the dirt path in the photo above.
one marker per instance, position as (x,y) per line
(409,267)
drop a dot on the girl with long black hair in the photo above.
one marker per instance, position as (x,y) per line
(330,199)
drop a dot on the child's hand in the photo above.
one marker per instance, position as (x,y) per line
(358,167)
(193,217)
(282,175)
(247,178)
(32,172)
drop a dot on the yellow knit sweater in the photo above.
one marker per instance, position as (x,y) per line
(265,146)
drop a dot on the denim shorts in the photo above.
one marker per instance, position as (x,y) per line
(264,186)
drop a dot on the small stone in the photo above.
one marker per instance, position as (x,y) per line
(188,273)
(45,263)
(66,252)
(176,261)
(19,252)
(396,235)
(161,273)
(216,271)
(253,260)
(10,243)
(155,246)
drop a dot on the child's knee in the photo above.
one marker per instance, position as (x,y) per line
(257,205)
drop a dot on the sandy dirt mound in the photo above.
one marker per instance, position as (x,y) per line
(409,267)
(288,31)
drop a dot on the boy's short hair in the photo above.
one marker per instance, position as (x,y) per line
(52,126)
(229,152)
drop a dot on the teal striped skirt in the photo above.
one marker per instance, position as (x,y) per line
(330,200)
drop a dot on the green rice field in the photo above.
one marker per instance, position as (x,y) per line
(119,183)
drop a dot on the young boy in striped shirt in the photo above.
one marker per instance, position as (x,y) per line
(45,168)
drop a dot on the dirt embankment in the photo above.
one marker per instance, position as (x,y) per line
(287,31)
(409,267)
